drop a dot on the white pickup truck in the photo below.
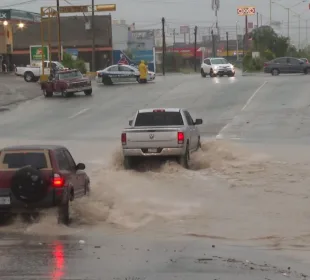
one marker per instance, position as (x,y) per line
(167,132)
(32,73)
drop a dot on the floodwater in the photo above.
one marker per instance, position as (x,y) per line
(230,193)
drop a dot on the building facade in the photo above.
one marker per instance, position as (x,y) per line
(76,33)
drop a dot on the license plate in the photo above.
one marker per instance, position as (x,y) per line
(5,200)
(152,150)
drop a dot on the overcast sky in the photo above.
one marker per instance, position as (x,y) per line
(148,13)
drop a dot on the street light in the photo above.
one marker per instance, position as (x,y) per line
(21,25)
(5,23)
(288,17)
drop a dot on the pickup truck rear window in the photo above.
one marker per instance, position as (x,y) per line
(16,160)
(159,119)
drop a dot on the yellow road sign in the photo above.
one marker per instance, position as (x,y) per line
(106,8)
(246,11)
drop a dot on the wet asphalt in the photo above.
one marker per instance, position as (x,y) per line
(260,109)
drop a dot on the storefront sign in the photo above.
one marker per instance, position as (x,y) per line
(36,53)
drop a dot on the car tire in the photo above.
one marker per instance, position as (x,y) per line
(128,163)
(275,72)
(107,81)
(203,74)
(88,92)
(231,75)
(184,159)
(87,189)
(306,71)
(211,73)
(64,213)
(29,77)
(47,94)
(199,144)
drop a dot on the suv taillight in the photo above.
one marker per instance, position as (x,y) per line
(180,138)
(58,181)
(124,139)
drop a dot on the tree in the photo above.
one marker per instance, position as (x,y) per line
(265,38)
(69,62)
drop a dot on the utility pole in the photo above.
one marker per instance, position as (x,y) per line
(246,33)
(93,55)
(213,43)
(270,13)
(257,20)
(299,32)
(189,36)
(288,23)
(164,45)
(227,45)
(307,32)
(237,41)
(195,45)
(173,40)
(59,34)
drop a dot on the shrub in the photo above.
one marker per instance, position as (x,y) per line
(78,64)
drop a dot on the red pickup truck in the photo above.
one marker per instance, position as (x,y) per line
(36,177)
(67,83)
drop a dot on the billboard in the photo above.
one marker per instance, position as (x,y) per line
(184,29)
(37,51)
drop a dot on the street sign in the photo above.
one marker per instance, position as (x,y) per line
(73,9)
(184,29)
(246,11)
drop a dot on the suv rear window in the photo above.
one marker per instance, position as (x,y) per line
(15,160)
(159,119)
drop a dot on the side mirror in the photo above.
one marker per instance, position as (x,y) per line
(130,122)
(80,166)
(198,121)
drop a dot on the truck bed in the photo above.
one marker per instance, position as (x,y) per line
(152,137)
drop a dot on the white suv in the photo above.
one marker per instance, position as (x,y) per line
(217,66)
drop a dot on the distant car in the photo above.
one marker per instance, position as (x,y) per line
(216,66)
(67,83)
(286,65)
(120,73)
(40,177)
(166,132)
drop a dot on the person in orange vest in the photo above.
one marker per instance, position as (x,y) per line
(143,72)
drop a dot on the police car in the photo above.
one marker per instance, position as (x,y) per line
(121,73)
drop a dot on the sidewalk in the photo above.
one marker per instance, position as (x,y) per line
(14,89)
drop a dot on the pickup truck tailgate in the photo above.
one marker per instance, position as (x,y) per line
(156,137)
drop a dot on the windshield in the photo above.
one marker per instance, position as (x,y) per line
(219,61)
(159,119)
(18,160)
(70,75)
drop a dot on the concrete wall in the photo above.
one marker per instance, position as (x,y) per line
(119,36)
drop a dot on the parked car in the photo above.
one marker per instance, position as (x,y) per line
(216,66)
(286,65)
(167,132)
(67,83)
(121,73)
(36,177)
(32,73)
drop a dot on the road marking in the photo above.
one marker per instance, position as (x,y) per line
(253,95)
(219,135)
(79,113)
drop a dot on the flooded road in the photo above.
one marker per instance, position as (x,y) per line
(248,187)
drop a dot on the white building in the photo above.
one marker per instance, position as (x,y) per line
(119,35)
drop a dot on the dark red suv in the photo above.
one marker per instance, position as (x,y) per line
(37,177)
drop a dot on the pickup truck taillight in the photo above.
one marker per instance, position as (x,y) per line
(124,139)
(180,138)
(58,181)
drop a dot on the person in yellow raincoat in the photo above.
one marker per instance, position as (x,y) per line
(143,72)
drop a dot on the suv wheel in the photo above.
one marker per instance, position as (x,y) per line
(203,74)
(64,213)
(211,73)
(184,159)
(275,72)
